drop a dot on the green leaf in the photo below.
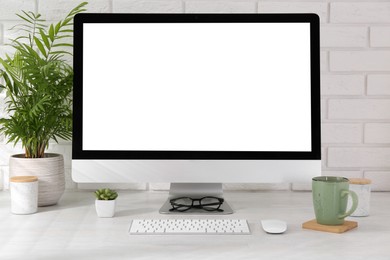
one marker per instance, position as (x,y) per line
(66,31)
(45,39)
(30,16)
(63,45)
(57,28)
(40,46)
(66,21)
(27,20)
(51,32)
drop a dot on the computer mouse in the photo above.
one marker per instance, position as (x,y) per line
(274,226)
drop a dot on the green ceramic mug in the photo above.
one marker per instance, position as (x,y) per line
(330,199)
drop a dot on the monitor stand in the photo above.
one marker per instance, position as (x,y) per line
(196,190)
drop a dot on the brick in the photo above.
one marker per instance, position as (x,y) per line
(380,36)
(220,7)
(343,36)
(378,133)
(324,61)
(324,157)
(359,109)
(380,180)
(324,109)
(342,85)
(359,60)
(57,10)
(365,12)
(144,6)
(341,133)
(378,84)
(8,9)
(295,7)
(358,157)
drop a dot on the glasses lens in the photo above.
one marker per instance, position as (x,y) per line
(181,204)
(211,203)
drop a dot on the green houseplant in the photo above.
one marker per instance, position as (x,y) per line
(105,202)
(38,83)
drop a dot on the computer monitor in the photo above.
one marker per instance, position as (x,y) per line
(196,100)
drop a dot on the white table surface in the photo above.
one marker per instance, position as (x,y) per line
(72,230)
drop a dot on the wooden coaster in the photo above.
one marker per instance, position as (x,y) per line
(348,225)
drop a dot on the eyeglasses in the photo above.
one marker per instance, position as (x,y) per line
(206,203)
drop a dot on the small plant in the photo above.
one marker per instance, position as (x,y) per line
(106,194)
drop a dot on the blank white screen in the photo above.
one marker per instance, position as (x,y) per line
(208,87)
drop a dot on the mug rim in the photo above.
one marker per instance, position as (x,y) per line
(334,179)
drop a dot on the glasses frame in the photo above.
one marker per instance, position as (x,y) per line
(178,207)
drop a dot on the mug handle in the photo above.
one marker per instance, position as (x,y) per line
(354,202)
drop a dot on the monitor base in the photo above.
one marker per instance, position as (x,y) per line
(196,191)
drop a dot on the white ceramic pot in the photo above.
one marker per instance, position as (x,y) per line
(49,170)
(105,208)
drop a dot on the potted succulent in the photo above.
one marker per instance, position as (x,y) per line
(38,82)
(105,202)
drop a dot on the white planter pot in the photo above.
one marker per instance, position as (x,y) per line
(49,170)
(105,208)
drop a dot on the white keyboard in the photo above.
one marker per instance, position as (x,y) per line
(189,227)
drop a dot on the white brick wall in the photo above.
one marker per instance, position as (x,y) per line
(380,36)
(342,85)
(344,36)
(363,109)
(355,68)
(56,10)
(371,60)
(360,12)
(377,133)
(9,8)
(220,6)
(341,133)
(378,84)
(148,6)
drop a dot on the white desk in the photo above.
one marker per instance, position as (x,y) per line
(71,230)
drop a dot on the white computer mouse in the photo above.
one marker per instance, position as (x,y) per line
(274,226)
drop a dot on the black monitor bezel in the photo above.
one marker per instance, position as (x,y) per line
(80,19)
